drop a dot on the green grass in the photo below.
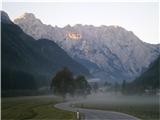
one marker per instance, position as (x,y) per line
(33,108)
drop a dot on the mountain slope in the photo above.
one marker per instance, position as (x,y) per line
(118,54)
(30,64)
(149,79)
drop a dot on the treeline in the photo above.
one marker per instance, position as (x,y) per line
(15,79)
(64,83)
(138,86)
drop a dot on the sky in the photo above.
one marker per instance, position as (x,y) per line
(139,17)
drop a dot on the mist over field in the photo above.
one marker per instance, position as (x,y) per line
(145,107)
(113,98)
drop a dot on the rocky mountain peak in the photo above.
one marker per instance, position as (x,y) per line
(118,53)
(30,21)
(29,17)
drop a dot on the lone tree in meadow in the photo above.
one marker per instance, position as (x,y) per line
(62,83)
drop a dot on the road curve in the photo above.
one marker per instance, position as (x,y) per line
(91,114)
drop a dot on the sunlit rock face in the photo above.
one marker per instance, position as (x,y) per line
(74,36)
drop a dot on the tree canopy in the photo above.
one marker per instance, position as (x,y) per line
(64,83)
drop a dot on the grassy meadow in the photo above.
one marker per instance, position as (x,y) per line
(40,108)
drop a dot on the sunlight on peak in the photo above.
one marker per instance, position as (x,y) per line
(74,36)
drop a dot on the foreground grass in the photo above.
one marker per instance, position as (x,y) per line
(33,108)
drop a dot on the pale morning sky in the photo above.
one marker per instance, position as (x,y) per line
(139,17)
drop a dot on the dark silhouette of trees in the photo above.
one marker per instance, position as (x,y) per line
(63,83)
(107,84)
(95,87)
(123,87)
(116,87)
(82,86)
(17,80)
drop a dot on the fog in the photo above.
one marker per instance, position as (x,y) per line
(113,98)
(105,99)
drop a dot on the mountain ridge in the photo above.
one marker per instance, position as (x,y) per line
(118,53)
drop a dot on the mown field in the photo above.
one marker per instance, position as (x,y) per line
(40,108)
(143,107)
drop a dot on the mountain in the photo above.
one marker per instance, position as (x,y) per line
(30,64)
(148,80)
(5,18)
(109,52)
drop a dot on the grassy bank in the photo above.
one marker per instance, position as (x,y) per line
(33,108)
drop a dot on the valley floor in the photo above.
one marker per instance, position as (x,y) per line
(143,107)
(33,108)
(42,107)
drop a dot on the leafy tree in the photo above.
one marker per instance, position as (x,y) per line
(62,83)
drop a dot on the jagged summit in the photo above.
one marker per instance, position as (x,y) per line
(27,15)
(30,17)
(4,17)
